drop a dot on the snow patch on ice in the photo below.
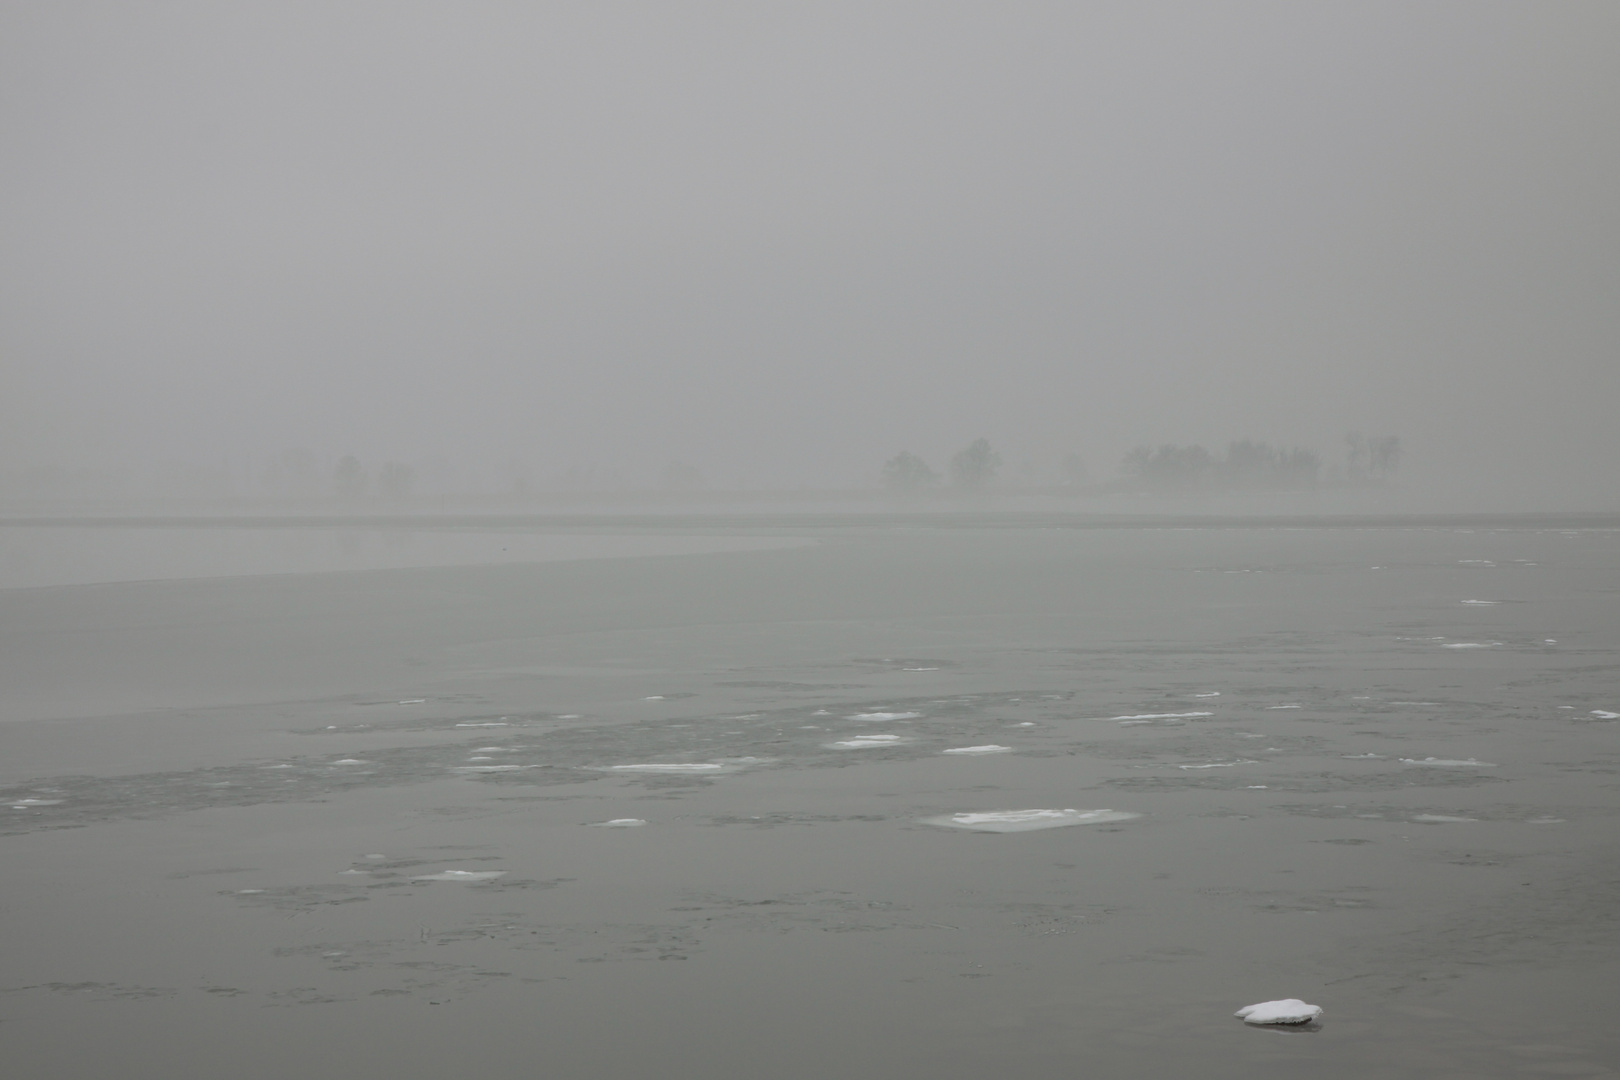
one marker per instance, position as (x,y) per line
(1162,716)
(461,875)
(862,742)
(1286,1011)
(1009,821)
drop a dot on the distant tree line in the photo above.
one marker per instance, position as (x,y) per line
(973,468)
(1256,466)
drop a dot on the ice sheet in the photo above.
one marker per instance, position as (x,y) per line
(989,749)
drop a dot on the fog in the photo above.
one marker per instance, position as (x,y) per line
(779,244)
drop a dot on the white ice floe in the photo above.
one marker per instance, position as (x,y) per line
(1212,693)
(415,701)
(992,748)
(669,767)
(1481,603)
(920,669)
(1545,821)
(350,761)
(1604,715)
(1440,819)
(884,716)
(654,697)
(1285,706)
(491,723)
(25,804)
(1477,562)
(1219,764)
(569,716)
(461,875)
(862,742)
(619,823)
(480,758)
(1363,757)
(1162,716)
(1449,763)
(488,768)
(1471,645)
(1009,821)
(1286,1011)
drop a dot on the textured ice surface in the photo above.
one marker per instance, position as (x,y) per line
(1008,821)
(1605,715)
(990,749)
(1286,1011)
(1163,716)
(862,742)
(461,875)
(1449,763)
(884,716)
(1440,819)
(619,823)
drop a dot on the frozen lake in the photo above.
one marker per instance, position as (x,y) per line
(339,822)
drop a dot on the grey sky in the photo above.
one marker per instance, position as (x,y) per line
(784,241)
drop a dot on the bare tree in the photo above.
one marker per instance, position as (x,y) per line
(907,473)
(975,466)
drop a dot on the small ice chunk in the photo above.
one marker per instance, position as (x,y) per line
(1009,821)
(480,758)
(488,768)
(1285,706)
(415,701)
(920,669)
(1219,764)
(491,723)
(1471,645)
(1604,715)
(671,767)
(1163,716)
(619,823)
(569,716)
(1362,757)
(884,716)
(24,804)
(1481,603)
(1212,693)
(1449,763)
(1026,723)
(1440,819)
(992,748)
(862,742)
(654,697)
(461,875)
(350,761)
(1286,1011)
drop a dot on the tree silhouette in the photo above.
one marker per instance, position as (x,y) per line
(906,472)
(350,479)
(975,465)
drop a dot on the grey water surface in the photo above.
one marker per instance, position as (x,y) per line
(334,824)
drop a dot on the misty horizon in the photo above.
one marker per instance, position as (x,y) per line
(779,247)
